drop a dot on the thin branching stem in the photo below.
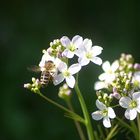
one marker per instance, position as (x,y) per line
(77,124)
(61,107)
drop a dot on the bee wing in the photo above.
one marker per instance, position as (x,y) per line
(34,69)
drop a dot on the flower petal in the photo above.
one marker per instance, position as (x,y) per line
(100,105)
(106,122)
(106,66)
(62,66)
(103,76)
(97,60)
(137,76)
(130,114)
(83,61)
(124,102)
(65,41)
(115,66)
(74,68)
(80,52)
(57,61)
(107,77)
(70,81)
(96,50)
(77,40)
(97,115)
(136,96)
(99,85)
(111,113)
(138,108)
(58,79)
(68,53)
(87,43)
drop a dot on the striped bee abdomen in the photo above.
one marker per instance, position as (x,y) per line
(45,78)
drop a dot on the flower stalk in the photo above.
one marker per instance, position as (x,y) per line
(85,112)
(138,123)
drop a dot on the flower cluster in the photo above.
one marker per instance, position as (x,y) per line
(35,86)
(121,82)
(63,49)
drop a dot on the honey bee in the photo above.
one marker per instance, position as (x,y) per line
(47,72)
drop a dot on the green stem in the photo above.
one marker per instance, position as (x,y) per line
(115,106)
(60,106)
(77,124)
(85,112)
(138,123)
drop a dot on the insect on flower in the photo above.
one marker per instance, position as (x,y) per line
(47,72)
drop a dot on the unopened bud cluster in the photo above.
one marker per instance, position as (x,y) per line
(104,97)
(56,48)
(34,86)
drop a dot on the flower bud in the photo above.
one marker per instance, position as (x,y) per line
(28,86)
(99,97)
(64,92)
(114,89)
(130,66)
(137,66)
(105,96)
(129,58)
(123,57)
(105,102)
(117,95)
(111,97)
(98,93)
(33,80)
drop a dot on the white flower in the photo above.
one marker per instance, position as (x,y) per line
(87,53)
(67,74)
(100,85)
(136,79)
(109,71)
(132,105)
(104,113)
(71,46)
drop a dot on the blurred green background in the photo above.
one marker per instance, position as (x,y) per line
(27,27)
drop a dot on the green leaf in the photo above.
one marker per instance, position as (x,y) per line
(74,117)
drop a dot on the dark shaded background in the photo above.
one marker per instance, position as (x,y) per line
(26,28)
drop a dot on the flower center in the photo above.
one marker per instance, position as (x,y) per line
(136,83)
(66,73)
(133,104)
(104,112)
(89,55)
(72,47)
(110,71)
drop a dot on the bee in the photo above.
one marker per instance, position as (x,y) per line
(47,72)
